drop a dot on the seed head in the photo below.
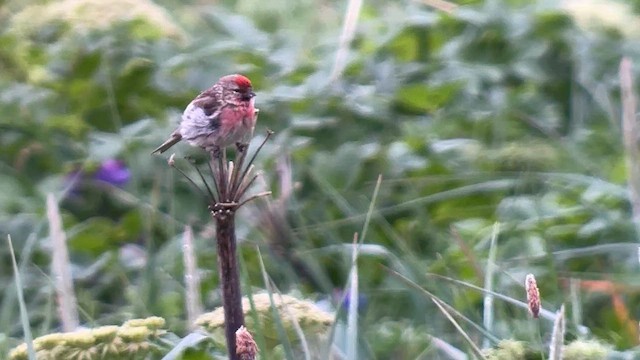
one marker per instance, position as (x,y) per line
(533,295)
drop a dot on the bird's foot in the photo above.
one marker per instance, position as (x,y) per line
(241,147)
(216,152)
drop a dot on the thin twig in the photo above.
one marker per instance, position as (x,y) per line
(222,180)
(253,158)
(244,189)
(253,197)
(231,169)
(212,197)
(215,181)
(234,180)
(189,179)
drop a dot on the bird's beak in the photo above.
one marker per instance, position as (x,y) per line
(250,95)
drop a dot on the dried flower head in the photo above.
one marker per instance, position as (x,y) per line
(153,322)
(131,340)
(246,347)
(85,15)
(105,333)
(586,349)
(290,310)
(533,295)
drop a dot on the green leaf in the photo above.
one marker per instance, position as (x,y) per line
(191,347)
(421,98)
(94,235)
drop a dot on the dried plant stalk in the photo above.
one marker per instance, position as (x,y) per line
(191,278)
(229,276)
(630,135)
(231,181)
(61,268)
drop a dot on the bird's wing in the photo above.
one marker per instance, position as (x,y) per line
(212,108)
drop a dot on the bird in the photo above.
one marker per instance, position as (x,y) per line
(218,117)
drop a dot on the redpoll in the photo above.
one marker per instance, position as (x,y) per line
(220,116)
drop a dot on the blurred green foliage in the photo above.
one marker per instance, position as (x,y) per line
(504,111)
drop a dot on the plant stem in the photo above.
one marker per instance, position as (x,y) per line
(229,276)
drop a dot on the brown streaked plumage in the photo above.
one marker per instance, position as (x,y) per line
(218,117)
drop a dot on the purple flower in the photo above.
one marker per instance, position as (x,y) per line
(363,300)
(113,172)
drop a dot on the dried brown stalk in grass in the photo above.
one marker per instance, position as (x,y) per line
(231,182)
(630,135)
(61,268)
(191,277)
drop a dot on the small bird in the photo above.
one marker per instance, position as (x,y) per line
(220,116)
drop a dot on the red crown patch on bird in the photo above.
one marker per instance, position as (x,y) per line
(242,81)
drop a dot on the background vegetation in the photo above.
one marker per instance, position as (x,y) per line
(502,112)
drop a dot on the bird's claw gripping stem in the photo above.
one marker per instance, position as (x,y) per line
(241,147)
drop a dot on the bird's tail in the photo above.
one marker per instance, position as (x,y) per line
(167,144)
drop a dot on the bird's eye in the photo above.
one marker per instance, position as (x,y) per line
(236,90)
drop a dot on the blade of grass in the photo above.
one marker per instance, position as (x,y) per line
(296,326)
(441,5)
(460,192)
(557,336)
(472,258)
(351,215)
(444,309)
(630,140)
(448,307)
(352,316)
(10,298)
(543,313)
(348,31)
(272,288)
(61,268)
(282,334)
(191,278)
(258,333)
(453,321)
(451,351)
(576,303)
(24,317)
(487,314)
(367,219)
(630,135)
